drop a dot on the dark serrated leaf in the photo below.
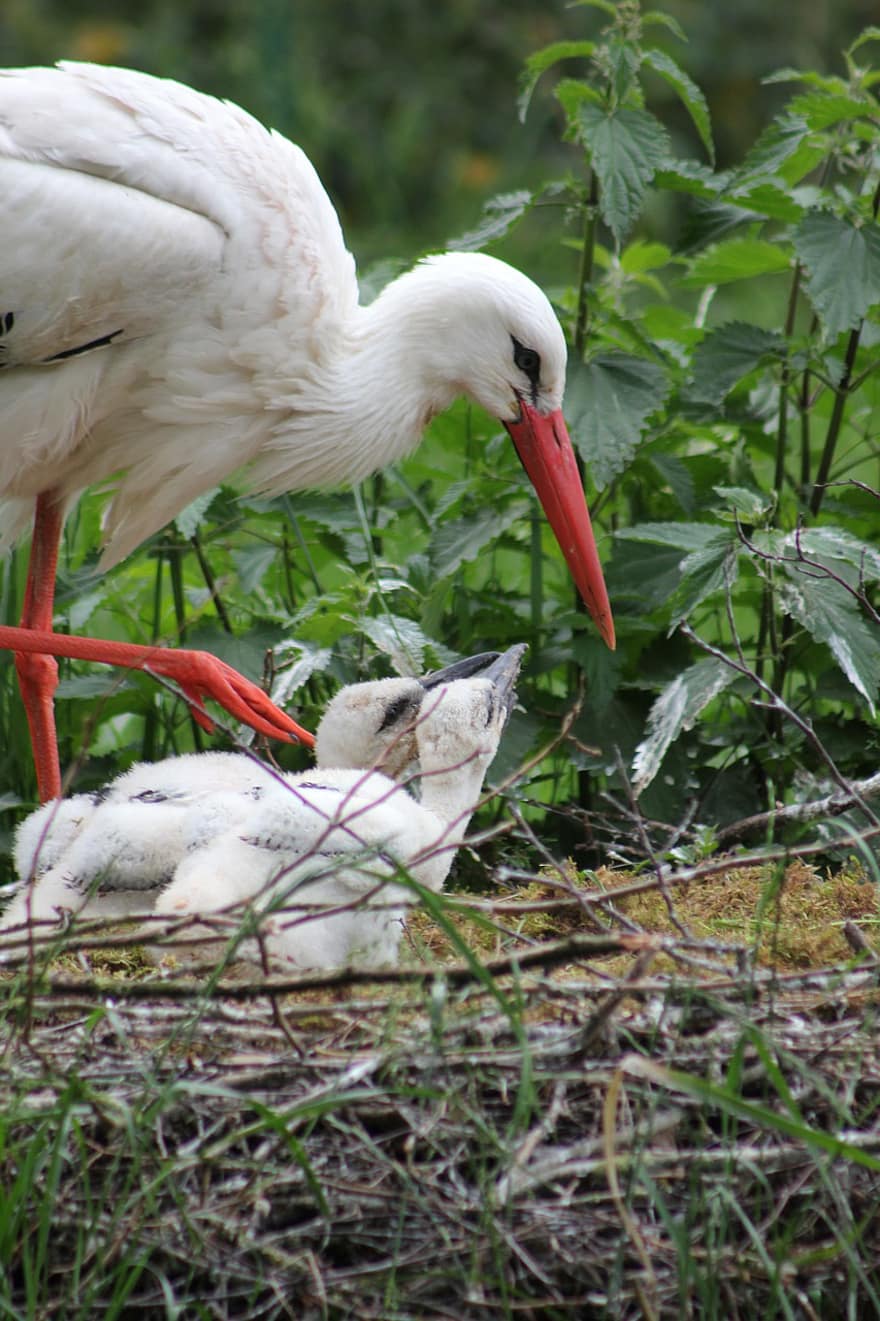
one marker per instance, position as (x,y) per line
(831,615)
(88,687)
(728,354)
(706,571)
(736,259)
(826,544)
(608,402)
(675,473)
(500,214)
(252,565)
(400,639)
(843,268)
(626,147)
(462,539)
(644,576)
(689,93)
(675,710)
(683,536)
(622,60)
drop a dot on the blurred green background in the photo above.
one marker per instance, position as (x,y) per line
(407,107)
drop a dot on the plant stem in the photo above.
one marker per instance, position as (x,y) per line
(835,423)
(303,545)
(210,583)
(585,275)
(782,428)
(581,325)
(768,617)
(840,397)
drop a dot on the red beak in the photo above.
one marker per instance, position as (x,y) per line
(544,446)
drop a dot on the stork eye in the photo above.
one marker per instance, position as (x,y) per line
(527,360)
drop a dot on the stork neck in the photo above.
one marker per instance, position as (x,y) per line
(391,364)
(452,791)
(370,387)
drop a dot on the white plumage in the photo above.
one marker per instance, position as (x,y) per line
(177,304)
(200,835)
(201,255)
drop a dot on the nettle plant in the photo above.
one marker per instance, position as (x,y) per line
(724,396)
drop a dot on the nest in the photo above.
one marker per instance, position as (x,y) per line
(611,1122)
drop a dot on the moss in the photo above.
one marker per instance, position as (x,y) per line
(791,920)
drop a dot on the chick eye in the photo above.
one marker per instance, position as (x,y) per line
(395,711)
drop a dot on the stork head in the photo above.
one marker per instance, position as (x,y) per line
(379,724)
(460,725)
(486,330)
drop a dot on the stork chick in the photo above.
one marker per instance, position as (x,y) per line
(324,859)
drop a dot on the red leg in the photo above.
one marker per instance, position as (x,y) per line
(38,673)
(197,673)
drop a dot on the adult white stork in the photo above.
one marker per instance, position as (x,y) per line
(318,855)
(177,304)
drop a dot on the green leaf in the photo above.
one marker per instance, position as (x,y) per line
(291,677)
(622,60)
(706,571)
(834,543)
(867,34)
(737,259)
(189,520)
(88,687)
(462,539)
(675,710)
(767,199)
(728,354)
(751,505)
(684,176)
(830,83)
(400,639)
(820,110)
(641,256)
(608,402)
(843,268)
(336,513)
(252,565)
(607,7)
(500,214)
(683,536)
(626,147)
(689,93)
(776,147)
(542,60)
(675,473)
(645,577)
(828,612)
(571,94)
(656,18)
(82,608)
